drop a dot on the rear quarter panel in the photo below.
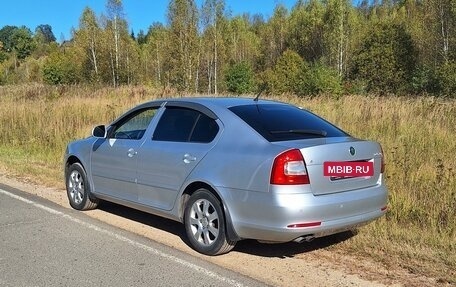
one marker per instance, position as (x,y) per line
(241,159)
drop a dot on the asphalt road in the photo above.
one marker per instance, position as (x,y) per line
(43,244)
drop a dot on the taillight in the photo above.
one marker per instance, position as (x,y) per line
(289,168)
(382,170)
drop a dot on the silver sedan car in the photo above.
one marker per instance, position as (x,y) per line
(231,169)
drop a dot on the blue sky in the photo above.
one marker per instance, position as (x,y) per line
(62,15)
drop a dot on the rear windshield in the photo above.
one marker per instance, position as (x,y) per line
(277,122)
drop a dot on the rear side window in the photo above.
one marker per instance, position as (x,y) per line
(276,122)
(185,125)
(205,130)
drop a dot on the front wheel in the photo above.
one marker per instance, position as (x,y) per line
(78,189)
(205,224)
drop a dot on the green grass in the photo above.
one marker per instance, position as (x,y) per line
(417,135)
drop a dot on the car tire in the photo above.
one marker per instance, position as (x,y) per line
(205,224)
(78,188)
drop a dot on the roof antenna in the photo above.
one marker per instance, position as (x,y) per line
(262,89)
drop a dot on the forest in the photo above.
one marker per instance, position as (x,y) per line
(334,47)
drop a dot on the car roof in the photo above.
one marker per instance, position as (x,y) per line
(208,105)
(225,102)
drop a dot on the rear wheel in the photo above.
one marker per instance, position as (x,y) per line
(78,189)
(205,224)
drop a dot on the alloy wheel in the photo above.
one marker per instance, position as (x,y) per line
(204,222)
(76,187)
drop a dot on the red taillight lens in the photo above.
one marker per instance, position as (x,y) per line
(289,168)
(383,161)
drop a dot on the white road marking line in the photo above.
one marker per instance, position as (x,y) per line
(20,223)
(128,241)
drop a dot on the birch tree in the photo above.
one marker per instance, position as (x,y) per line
(157,46)
(336,33)
(212,15)
(244,43)
(88,36)
(183,26)
(115,24)
(273,36)
(446,21)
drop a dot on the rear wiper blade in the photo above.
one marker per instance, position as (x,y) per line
(302,132)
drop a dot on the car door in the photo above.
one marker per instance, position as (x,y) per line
(182,138)
(114,158)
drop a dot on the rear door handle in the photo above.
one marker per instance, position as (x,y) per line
(131,152)
(188,158)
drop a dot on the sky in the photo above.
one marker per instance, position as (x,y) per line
(62,15)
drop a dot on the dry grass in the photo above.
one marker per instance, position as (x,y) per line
(417,135)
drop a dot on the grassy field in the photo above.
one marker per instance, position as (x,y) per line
(417,135)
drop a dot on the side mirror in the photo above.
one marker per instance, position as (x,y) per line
(99,131)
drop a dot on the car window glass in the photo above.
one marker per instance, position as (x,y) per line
(285,122)
(134,126)
(205,130)
(182,125)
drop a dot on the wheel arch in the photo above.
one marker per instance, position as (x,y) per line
(90,201)
(192,188)
(71,160)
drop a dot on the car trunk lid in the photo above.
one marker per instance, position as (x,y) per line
(341,150)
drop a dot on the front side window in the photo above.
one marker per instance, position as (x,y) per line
(134,126)
(185,125)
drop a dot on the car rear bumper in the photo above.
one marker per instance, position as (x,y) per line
(266,216)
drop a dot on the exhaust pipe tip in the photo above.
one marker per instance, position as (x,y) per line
(307,238)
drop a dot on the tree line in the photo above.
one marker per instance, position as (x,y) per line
(318,46)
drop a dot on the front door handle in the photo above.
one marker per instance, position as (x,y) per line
(188,158)
(131,152)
